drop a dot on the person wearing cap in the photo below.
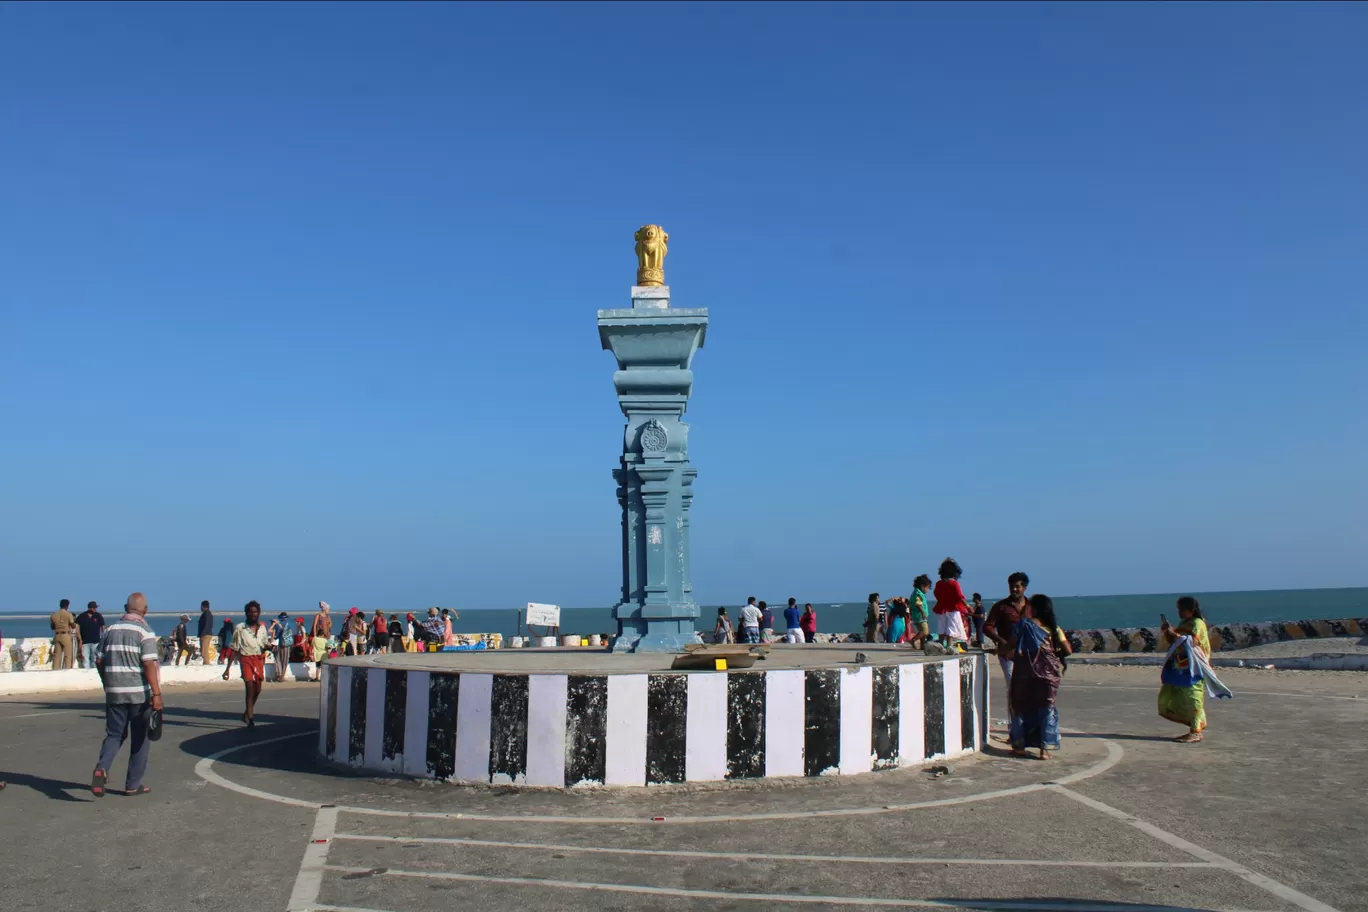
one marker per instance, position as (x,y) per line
(90,625)
(180,638)
(280,633)
(319,633)
(249,645)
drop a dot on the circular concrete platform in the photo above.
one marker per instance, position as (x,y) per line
(569,717)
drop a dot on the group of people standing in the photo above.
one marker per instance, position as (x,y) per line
(908,620)
(75,637)
(1033,650)
(757,623)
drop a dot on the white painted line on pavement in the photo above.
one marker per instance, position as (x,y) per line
(761,856)
(204,769)
(309,881)
(1039,906)
(1280,890)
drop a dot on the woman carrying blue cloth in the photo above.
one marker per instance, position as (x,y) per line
(1040,648)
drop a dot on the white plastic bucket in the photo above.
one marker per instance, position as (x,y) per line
(571,640)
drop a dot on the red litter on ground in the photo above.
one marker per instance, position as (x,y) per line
(657,819)
(319,841)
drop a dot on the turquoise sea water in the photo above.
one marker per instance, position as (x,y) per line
(847,617)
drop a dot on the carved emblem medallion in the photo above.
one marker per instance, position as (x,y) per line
(653,437)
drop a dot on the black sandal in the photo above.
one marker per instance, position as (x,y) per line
(97,783)
(140,790)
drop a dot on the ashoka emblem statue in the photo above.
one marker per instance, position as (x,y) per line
(653,437)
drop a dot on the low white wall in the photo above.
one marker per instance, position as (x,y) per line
(79,679)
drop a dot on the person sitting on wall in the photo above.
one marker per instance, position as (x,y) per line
(432,630)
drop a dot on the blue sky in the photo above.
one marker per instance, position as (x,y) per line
(298,301)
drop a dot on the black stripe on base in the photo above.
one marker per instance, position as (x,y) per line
(667,700)
(443,691)
(586,728)
(357,724)
(508,727)
(934,702)
(332,712)
(884,741)
(821,721)
(396,710)
(967,670)
(745,725)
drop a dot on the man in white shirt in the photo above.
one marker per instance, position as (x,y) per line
(750,622)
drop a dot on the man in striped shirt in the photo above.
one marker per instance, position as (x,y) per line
(132,683)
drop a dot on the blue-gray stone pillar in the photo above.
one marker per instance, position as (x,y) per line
(654,345)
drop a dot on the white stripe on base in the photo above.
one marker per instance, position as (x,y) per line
(705,728)
(911,713)
(626,730)
(857,720)
(323,674)
(416,724)
(343,730)
(546,711)
(375,720)
(473,709)
(785,708)
(950,680)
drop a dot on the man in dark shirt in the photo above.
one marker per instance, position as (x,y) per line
(976,607)
(90,625)
(225,636)
(1001,619)
(766,623)
(206,630)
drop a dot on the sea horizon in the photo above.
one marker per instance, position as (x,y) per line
(1074,611)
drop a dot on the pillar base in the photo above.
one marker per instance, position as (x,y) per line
(654,642)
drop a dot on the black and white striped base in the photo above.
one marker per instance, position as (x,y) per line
(642,729)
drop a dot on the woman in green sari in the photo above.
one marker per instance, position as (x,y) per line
(1186,705)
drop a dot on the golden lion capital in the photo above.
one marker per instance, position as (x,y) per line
(650,251)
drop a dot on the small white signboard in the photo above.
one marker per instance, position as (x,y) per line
(543,615)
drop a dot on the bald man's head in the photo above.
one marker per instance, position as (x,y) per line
(137,604)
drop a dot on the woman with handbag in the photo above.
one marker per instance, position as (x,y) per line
(1182,696)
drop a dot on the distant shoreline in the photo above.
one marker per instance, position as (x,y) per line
(22,614)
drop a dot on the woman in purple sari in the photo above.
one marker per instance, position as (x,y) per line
(1040,648)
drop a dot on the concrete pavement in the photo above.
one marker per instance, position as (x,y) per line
(1265,815)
